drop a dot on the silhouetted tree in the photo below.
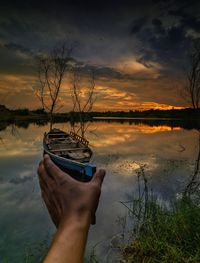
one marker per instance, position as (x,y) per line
(83,97)
(192,87)
(51,71)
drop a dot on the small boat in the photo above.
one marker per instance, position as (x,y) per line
(70,152)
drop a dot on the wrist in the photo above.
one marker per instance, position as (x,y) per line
(76,220)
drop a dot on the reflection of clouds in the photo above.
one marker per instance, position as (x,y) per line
(155,129)
(110,140)
(124,139)
(126,166)
(23,177)
(111,134)
(20,180)
(26,142)
(151,129)
(119,148)
(122,147)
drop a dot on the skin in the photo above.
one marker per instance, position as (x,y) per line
(72,206)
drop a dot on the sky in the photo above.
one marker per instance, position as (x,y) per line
(138,49)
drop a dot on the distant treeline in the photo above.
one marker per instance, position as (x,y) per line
(177,114)
(186,113)
(185,118)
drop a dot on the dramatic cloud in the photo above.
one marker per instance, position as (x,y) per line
(137,49)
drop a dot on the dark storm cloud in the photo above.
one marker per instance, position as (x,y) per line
(138,25)
(168,47)
(16,59)
(16,47)
(158,26)
(167,40)
(101,28)
(113,74)
(157,22)
(103,32)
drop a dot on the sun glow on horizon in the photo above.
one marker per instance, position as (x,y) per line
(16,91)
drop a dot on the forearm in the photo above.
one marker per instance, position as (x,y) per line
(69,242)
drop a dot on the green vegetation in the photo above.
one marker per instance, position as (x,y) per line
(163,234)
(167,236)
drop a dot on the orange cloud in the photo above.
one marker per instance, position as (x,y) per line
(130,65)
(16,91)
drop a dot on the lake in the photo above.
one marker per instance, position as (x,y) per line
(167,154)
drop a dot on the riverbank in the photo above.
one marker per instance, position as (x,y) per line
(164,233)
(167,236)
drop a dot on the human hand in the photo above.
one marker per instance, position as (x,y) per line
(66,198)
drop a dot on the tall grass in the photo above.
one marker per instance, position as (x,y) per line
(162,234)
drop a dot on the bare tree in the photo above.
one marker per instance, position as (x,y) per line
(83,98)
(51,71)
(192,87)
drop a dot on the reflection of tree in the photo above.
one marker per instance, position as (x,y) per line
(14,130)
(194,182)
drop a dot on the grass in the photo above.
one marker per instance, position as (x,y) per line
(167,236)
(161,234)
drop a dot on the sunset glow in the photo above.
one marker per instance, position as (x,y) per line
(137,56)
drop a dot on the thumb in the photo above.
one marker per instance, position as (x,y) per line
(99,177)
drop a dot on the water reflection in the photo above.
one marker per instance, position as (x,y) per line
(194,181)
(168,154)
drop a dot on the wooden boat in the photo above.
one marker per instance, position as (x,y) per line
(70,152)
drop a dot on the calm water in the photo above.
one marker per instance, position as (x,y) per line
(120,148)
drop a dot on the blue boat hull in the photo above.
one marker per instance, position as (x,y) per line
(80,171)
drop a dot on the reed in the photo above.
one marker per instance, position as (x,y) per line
(161,233)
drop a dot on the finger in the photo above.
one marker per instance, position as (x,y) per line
(40,163)
(44,178)
(39,168)
(51,209)
(99,177)
(54,171)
